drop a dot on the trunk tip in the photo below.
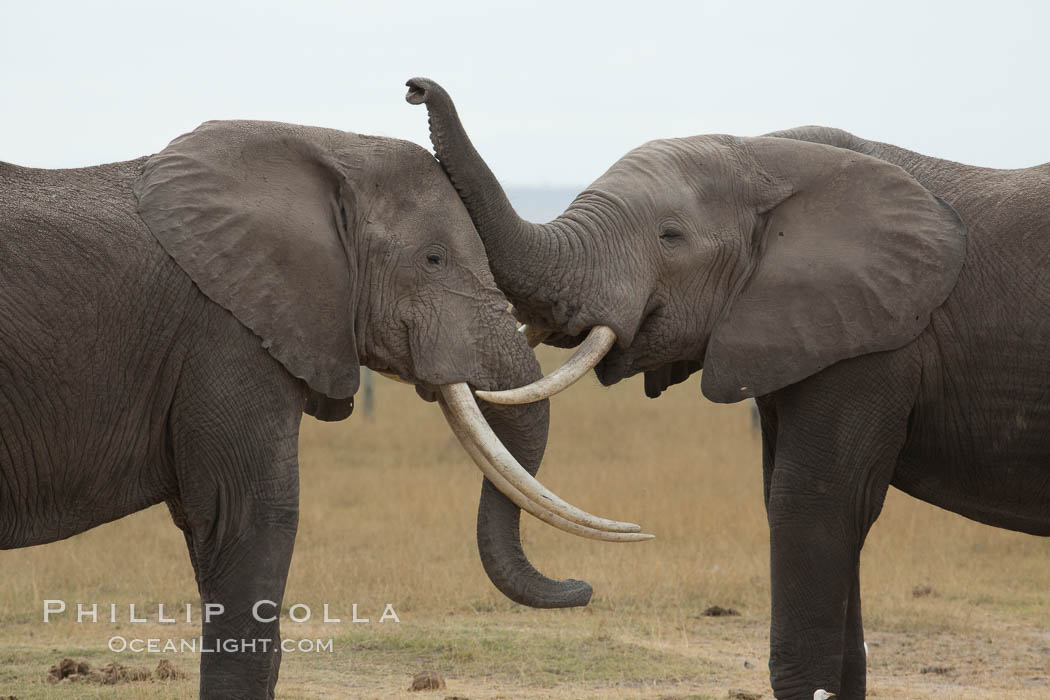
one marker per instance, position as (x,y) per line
(570,593)
(420,90)
(582,593)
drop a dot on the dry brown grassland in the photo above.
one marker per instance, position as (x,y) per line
(952,608)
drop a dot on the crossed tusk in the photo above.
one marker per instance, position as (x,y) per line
(521,500)
(484,444)
(590,352)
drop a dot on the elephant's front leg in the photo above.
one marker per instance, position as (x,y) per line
(241,534)
(819,642)
(235,442)
(838,438)
(242,589)
(814,554)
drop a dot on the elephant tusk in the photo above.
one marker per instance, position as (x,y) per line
(590,352)
(521,500)
(533,335)
(462,405)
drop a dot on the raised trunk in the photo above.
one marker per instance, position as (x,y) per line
(523,430)
(525,257)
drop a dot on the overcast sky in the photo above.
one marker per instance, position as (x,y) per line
(552,93)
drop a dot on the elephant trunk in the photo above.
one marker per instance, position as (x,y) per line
(499,537)
(514,246)
(523,431)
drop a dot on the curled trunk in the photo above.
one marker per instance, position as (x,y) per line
(523,431)
(499,520)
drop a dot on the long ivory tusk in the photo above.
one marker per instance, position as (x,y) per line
(521,500)
(533,335)
(590,352)
(462,405)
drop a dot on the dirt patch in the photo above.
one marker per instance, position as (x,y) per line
(166,671)
(70,671)
(744,695)
(923,590)
(719,611)
(427,680)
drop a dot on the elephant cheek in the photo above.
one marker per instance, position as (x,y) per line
(440,356)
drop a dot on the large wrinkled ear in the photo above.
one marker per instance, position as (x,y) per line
(851,259)
(258,213)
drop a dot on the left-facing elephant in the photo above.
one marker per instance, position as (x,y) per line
(164,323)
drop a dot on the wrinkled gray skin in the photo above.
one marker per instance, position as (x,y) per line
(889,311)
(122,385)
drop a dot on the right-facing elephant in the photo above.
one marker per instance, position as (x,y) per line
(889,311)
(165,322)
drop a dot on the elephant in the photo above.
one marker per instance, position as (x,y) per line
(886,310)
(166,321)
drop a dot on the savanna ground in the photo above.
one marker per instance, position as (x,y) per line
(952,608)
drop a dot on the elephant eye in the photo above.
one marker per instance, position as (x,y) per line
(435,256)
(670,234)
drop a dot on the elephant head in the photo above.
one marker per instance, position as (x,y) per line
(340,250)
(761,260)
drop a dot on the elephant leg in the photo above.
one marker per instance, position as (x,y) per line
(241,653)
(242,516)
(235,426)
(838,439)
(811,564)
(854,658)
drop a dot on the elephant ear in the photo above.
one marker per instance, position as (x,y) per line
(257,213)
(850,259)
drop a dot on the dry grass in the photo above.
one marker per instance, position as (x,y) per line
(388,508)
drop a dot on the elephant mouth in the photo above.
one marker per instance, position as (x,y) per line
(428,392)
(621,363)
(564,340)
(597,350)
(613,367)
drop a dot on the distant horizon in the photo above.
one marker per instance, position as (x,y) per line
(540,204)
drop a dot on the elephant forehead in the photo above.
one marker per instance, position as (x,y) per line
(421,192)
(668,172)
